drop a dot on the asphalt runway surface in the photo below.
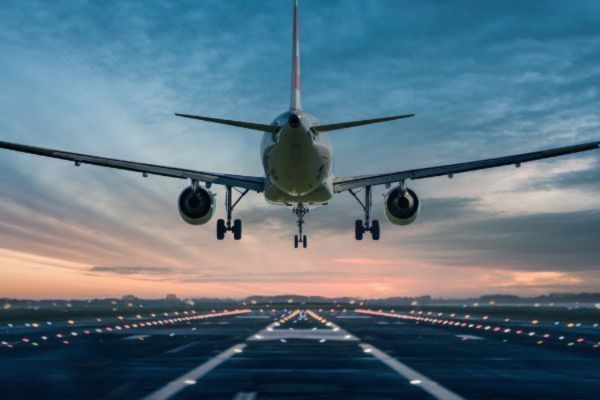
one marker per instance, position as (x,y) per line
(297,353)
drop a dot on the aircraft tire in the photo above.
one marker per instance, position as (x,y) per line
(359,230)
(304,242)
(220,229)
(375,230)
(237,229)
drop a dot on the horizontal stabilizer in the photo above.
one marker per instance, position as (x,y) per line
(239,124)
(343,125)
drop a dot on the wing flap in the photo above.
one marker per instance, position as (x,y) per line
(246,182)
(344,183)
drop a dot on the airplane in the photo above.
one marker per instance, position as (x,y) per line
(297,157)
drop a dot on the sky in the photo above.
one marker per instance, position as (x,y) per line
(484,78)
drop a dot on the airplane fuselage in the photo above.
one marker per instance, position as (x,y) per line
(297,160)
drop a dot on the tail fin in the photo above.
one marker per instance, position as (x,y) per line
(296,104)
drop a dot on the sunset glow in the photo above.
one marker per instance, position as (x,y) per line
(107,84)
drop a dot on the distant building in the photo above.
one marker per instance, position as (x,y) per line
(172,297)
(129,297)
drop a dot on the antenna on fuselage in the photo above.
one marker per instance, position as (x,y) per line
(295,104)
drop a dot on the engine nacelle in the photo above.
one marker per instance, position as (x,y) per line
(402,209)
(196,208)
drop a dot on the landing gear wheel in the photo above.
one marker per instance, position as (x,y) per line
(300,211)
(362,226)
(375,231)
(221,229)
(359,230)
(237,229)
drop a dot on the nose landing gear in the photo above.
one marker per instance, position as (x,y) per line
(361,227)
(236,227)
(300,211)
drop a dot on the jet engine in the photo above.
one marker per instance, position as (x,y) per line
(196,208)
(402,208)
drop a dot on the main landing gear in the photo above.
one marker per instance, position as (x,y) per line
(361,227)
(300,211)
(223,226)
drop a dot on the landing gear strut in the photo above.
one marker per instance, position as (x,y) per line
(236,227)
(361,227)
(300,211)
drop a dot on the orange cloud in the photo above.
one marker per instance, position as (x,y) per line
(365,261)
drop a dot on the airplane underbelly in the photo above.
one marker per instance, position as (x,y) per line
(297,170)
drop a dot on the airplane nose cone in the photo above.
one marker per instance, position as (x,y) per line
(294,121)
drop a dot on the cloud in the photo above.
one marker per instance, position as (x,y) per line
(105,78)
(365,261)
(543,279)
(549,241)
(588,178)
(133,270)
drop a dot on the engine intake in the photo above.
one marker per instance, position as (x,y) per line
(402,209)
(196,208)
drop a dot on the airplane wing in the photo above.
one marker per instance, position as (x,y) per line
(254,183)
(341,184)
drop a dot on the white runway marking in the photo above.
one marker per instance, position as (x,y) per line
(140,337)
(469,337)
(245,396)
(414,377)
(180,348)
(191,377)
(308,334)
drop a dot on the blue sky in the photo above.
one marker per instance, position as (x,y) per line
(484,78)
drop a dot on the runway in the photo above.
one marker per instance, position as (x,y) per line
(298,353)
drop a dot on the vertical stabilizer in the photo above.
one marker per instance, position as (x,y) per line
(296,104)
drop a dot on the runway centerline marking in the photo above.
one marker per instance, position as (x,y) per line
(414,377)
(191,377)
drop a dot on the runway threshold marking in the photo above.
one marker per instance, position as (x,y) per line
(182,347)
(414,377)
(190,378)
